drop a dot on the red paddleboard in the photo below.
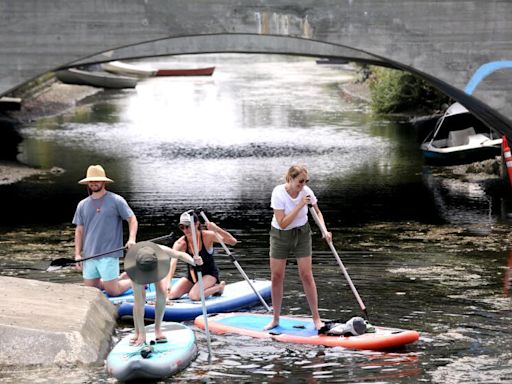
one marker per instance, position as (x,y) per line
(302,331)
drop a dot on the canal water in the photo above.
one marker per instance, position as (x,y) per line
(427,248)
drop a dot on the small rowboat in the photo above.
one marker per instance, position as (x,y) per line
(121,68)
(208,71)
(95,78)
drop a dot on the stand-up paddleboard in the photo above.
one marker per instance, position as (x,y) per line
(302,331)
(126,362)
(235,296)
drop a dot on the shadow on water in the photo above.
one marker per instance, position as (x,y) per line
(11,138)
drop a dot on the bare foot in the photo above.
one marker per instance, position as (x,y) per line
(318,324)
(159,336)
(220,288)
(274,323)
(139,341)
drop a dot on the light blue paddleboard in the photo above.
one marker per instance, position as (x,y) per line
(126,362)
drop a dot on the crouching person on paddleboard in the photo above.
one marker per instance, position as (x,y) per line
(146,263)
(204,241)
(290,235)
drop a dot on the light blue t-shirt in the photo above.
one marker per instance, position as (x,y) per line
(103,223)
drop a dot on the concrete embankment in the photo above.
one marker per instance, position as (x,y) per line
(53,324)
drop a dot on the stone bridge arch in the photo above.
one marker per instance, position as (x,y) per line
(278,44)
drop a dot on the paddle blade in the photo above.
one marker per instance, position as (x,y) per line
(57,264)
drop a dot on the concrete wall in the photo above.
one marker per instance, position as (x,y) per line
(450,42)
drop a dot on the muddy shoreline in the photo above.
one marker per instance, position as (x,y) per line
(52,99)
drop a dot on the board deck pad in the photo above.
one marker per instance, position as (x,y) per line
(301,330)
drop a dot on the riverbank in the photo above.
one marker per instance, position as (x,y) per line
(50,99)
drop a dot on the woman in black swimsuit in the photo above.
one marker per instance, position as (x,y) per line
(204,241)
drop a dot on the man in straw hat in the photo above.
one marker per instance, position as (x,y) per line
(99,229)
(146,263)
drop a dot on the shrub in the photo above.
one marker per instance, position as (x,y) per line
(395,91)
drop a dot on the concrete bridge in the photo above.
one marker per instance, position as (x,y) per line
(463,47)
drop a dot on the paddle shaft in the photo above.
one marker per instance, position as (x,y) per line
(237,265)
(64,261)
(201,289)
(340,263)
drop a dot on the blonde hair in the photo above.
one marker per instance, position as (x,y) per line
(294,171)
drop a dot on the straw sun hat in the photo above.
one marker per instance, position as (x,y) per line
(95,173)
(146,263)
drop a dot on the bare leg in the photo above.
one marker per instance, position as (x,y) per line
(277,270)
(139,294)
(161,298)
(116,287)
(308,282)
(180,288)
(210,287)
(96,283)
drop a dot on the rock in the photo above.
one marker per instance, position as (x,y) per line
(53,324)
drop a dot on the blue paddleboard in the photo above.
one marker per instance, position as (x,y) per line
(235,296)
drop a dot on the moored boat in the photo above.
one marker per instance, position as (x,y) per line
(122,68)
(95,78)
(460,138)
(208,71)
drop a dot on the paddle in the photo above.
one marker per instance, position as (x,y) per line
(235,262)
(349,280)
(62,262)
(201,288)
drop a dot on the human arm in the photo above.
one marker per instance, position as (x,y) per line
(221,234)
(133,226)
(284,220)
(79,235)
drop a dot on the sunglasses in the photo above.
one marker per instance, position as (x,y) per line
(302,181)
(183,227)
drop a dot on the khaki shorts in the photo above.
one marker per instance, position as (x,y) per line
(293,242)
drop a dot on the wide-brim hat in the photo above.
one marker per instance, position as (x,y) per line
(146,263)
(95,173)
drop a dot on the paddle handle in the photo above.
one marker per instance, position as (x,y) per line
(237,264)
(323,229)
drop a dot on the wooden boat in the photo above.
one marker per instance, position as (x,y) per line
(95,78)
(460,138)
(121,68)
(333,61)
(208,71)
